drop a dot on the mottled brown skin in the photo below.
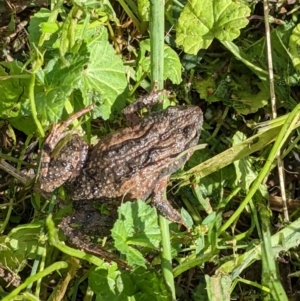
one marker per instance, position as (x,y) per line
(132,163)
(92,223)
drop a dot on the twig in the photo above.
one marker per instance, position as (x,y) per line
(274,110)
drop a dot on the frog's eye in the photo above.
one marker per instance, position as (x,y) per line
(188,131)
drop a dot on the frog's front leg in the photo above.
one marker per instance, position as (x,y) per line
(67,164)
(145,101)
(162,204)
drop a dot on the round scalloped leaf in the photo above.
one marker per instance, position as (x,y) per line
(202,21)
(105,76)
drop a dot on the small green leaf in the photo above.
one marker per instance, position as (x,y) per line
(25,239)
(186,218)
(206,88)
(202,21)
(136,225)
(209,219)
(245,174)
(144,284)
(87,32)
(144,9)
(134,257)
(49,27)
(14,261)
(200,243)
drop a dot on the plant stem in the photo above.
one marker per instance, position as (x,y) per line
(33,107)
(166,257)
(157,22)
(270,275)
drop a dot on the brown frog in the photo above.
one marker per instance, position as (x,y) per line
(132,163)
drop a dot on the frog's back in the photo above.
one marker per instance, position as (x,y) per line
(131,161)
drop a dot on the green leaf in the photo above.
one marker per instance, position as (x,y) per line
(34,28)
(49,27)
(136,225)
(209,219)
(206,88)
(25,239)
(105,76)
(111,283)
(245,174)
(200,243)
(218,287)
(172,65)
(202,21)
(14,262)
(60,82)
(100,78)
(245,95)
(87,32)
(294,47)
(152,285)
(247,102)
(144,9)
(14,90)
(50,104)
(114,285)
(187,218)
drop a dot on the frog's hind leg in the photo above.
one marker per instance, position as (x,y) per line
(163,205)
(85,221)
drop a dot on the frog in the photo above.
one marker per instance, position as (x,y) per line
(131,163)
